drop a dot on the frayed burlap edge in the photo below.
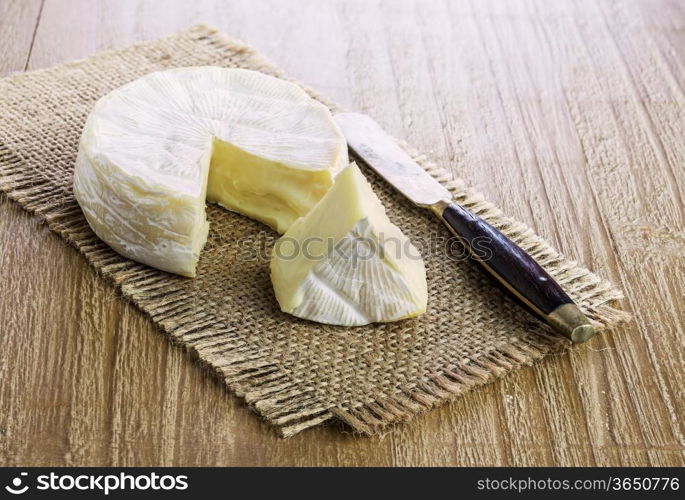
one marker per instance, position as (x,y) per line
(251,373)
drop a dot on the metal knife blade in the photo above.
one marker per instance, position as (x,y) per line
(382,153)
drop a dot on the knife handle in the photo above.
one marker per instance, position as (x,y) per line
(517,271)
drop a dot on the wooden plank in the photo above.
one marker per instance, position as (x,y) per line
(568,114)
(18,23)
(634,183)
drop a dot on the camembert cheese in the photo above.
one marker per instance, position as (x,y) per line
(345,263)
(153,150)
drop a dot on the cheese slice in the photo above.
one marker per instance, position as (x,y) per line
(345,263)
(153,150)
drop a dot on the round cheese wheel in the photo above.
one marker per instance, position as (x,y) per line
(153,150)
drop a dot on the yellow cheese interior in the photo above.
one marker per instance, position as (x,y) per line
(263,189)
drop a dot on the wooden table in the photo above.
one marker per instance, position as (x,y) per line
(571,115)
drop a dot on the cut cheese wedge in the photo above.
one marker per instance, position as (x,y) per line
(345,263)
(153,150)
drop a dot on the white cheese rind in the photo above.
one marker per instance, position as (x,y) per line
(146,149)
(345,263)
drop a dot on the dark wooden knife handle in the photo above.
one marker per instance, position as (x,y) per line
(517,271)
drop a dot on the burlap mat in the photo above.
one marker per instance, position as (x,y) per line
(294,373)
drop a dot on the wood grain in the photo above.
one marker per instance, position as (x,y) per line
(569,114)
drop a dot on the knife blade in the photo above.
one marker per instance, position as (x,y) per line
(508,263)
(382,153)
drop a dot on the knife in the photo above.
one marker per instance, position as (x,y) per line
(508,263)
